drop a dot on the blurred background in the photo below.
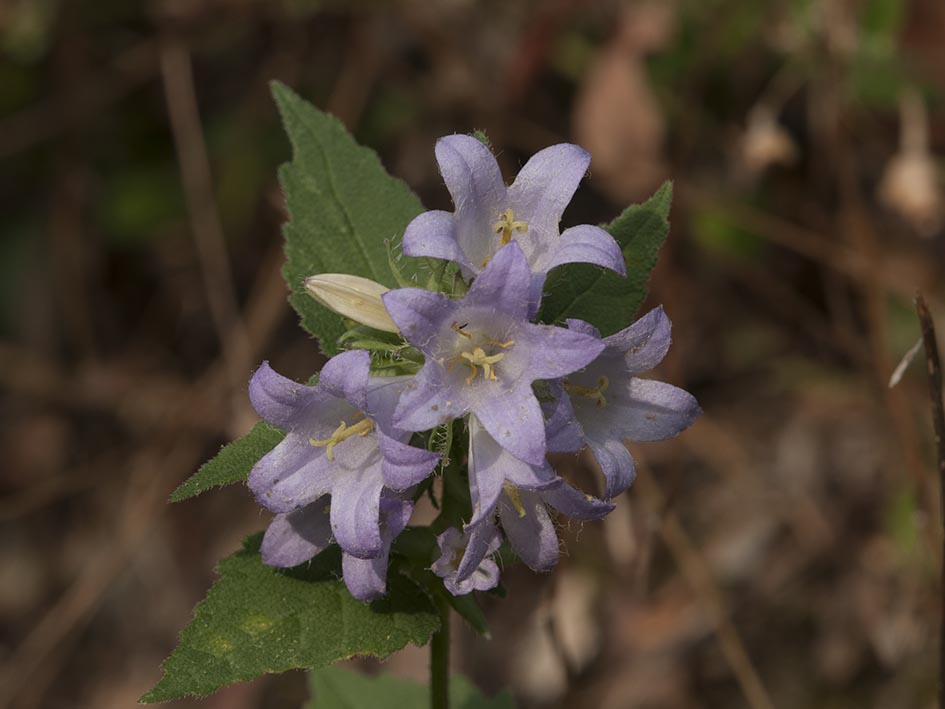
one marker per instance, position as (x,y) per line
(782,552)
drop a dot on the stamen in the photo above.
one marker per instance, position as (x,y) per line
(506,225)
(478,357)
(343,433)
(515,497)
(459,330)
(593,393)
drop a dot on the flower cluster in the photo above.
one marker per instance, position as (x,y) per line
(346,471)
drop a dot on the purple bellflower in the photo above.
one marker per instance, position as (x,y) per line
(528,525)
(479,545)
(518,493)
(613,405)
(295,537)
(340,441)
(489,215)
(482,356)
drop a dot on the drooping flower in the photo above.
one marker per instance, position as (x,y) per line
(489,215)
(528,525)
(482,356)
(340,441)
(474,549)
(613,405)
(295,537)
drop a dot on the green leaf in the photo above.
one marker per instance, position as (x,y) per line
(257,619)
(342,207)
(338,688)
(602,298)
(232,464)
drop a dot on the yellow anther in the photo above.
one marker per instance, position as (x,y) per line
(593,393)
(479,358)
(507,224)
(343,433)
(512,492)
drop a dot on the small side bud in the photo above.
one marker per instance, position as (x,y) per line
(353,297)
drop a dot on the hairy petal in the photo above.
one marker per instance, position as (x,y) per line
(515,422)
(474,180)
(654,411)
(585,244)
(345,376)
(419,314)
(486,474)
(584,328)
(291,475)
(366,579)
(531,535)
(505,284)
(355,511)
(429,400)
(556,352)
(280,401)
(476,571)
(295,537)
(404,465)
(562,430)
(643,344)
(574,503)
(615,462)
(470,172)
(545,185)
(434,234)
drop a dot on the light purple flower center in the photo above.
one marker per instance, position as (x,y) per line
(478,350)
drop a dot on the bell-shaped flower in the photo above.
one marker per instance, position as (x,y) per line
(295,537)
(527,523)
(473,550)
(482,356)
(488,214)
(613,405)
(518,493)
(340,441)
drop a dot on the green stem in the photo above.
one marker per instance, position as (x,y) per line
(440,660)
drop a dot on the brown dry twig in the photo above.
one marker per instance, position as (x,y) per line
(934,364)
(699,575)
(205,222)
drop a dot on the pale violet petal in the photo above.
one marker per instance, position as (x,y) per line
(297,536)
(433,234)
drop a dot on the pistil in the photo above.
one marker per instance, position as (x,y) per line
(507,224)
(343,433)
(513,494)
(593,393)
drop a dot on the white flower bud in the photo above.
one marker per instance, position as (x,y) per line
(353,297)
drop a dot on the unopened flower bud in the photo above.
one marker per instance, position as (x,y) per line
(353,297)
